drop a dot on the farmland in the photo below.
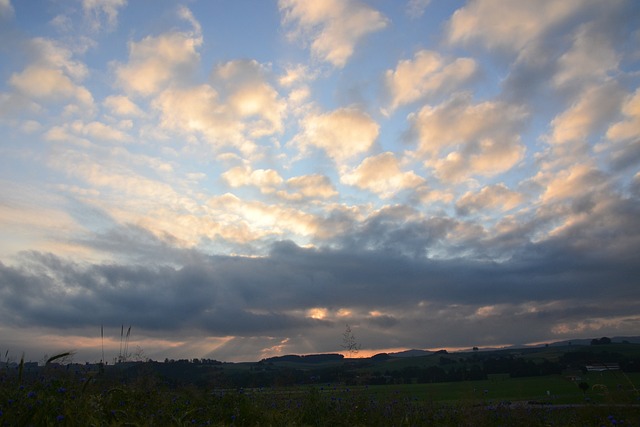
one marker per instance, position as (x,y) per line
(324,390)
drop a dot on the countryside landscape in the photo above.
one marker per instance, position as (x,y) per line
(319,213)
(582,383)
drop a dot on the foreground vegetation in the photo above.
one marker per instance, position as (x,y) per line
(75,397)
(538,387)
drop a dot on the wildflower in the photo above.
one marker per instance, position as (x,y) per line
(31,394)
(60,418)
(62,390)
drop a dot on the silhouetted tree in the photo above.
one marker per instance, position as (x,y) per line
(349,342)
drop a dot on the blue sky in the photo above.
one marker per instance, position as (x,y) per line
(241,179)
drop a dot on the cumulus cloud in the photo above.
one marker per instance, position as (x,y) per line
(296,74)
(460,139)
(53,75)
(250,95)
(122,106)
(101,131)
(265,179)
(595,106)
(625,135)
(629,127)
(425,74)
(580,48)
(154,62)
(497,196)
(47,83)
(342,133)
(259,219)
(95,9)
(199,110)
(382,174)
(238,106)
(333,28)
(309,187)
(592,56)
(232,204)
(572,182)
(510,26)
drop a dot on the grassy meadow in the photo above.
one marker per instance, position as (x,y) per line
(63,396)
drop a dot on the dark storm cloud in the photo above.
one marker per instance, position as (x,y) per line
(261,296)
(389,273)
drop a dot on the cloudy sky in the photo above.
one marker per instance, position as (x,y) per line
(241,179)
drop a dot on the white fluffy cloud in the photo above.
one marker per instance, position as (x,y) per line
(53,75)
(333,27)
(198,110)
(382,175)
(237,107)
(426,73)
(155,62)
(262,219)
(122,106)
(265,179)
(460,139)
(342,133)
(309,187)
(250,96)
(573,182)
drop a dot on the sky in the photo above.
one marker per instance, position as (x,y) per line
(242,179)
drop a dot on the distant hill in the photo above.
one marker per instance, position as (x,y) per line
(411,353)
(587,341)
(309,358)
(335,357)
(577,342)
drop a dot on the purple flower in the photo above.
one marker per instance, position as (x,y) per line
(60,418)
(31,394)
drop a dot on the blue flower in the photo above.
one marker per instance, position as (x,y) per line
(60,418)
(31,394)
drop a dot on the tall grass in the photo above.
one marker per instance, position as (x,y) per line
(69,398)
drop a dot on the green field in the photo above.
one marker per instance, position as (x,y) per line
(610,387)
(302,394)
(65,398)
